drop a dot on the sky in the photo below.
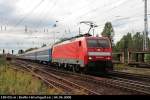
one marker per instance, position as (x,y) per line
(40,16)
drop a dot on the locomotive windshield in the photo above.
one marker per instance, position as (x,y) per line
(94,43)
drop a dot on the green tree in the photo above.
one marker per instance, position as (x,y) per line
(137,42)
(124,43)
(133,43)
(108,30)
(148,43)
(147,56)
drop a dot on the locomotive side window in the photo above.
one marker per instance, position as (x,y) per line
(93,43)
(80,43)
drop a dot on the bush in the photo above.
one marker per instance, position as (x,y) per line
(147,58)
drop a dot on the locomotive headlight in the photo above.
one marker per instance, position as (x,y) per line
(90,58)
(108,58)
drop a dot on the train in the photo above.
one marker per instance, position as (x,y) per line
(80,54)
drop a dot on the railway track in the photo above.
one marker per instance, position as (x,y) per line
(123,84)
(57,81)
(137,77)
(127,84)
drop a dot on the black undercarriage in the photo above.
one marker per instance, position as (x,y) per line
(100,66)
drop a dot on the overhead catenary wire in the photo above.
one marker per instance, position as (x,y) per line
(24,17)
(27,15)
(46,14)
(92,18)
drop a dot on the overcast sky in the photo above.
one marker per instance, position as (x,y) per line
(39,16)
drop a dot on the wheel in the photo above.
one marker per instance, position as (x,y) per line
(59,65)
(65,65)
(77,68)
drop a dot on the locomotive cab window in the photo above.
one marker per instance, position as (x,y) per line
(102,43)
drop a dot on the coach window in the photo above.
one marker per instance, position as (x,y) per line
(80,43)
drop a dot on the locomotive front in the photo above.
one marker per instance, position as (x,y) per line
(99,54)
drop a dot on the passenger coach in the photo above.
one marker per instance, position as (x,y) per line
(42,55)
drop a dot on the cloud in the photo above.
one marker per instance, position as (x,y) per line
(121,22)
(9,16)
(6,11)
(125,16)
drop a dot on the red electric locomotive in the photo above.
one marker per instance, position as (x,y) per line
(84,53)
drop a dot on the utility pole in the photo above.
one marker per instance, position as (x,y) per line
(79,31)
(65,31)
(3,51)
(69,30)
(55,25)
(26,29)
(145,41)
(54,37)
(12,52)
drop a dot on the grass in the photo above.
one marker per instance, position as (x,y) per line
(120,66)
(14,82)
(2,61)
